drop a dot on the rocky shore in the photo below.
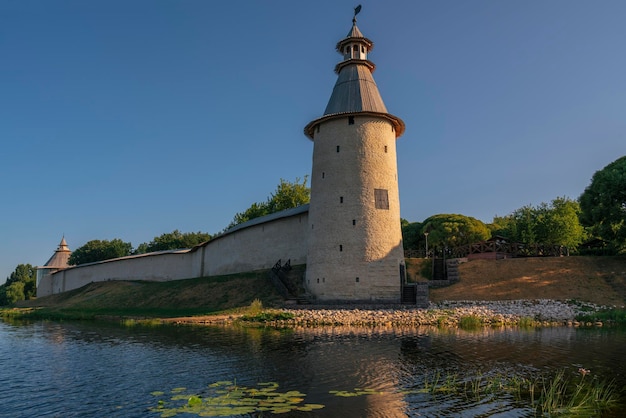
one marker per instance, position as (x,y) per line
(541,312)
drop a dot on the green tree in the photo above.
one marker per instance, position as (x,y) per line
(556,223)
(603,204)
(15,292)
(98,250)
(26,274)
(523,225)
(256,210)
(289,195)
(451,230)
(172,241)
(559,224)
(20,285)
(286,196)
(412,236)
(501,225)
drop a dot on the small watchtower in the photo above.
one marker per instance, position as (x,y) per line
(57,262)
(355,250)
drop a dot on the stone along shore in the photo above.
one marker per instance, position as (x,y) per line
(542,312)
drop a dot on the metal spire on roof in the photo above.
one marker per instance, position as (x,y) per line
(357,9)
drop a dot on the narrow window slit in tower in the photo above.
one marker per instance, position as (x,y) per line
(337,148)
(340,247)
(323,174)
(340,199)
(354,222)
(385,149)
(350,120)
(357,279)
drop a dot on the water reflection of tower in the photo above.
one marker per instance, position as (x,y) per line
(355,249)
(355,360)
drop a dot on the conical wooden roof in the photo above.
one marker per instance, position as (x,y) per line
(60,257)
(355,90)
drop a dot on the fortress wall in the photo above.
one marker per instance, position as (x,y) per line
(157,267)
(253,247)
(258,246)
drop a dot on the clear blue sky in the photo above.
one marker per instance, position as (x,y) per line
(129,119)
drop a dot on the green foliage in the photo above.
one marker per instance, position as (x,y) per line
(527,322)
(15,292)
(610,316)
(255,308)
(20,285)
(289,195)
(173,241)
(255,313)
(575,396)
(451,230)
(412,236)
(266,316)
(553,224)
(286,196)
(517,227)
(559,223)
(561,395)
(470,322)
(225,399)
(98,250)
(603,204)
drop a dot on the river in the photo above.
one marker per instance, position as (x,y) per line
(95,369)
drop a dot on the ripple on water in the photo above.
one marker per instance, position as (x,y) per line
(102,370)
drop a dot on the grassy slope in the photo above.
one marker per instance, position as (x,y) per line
(600,280)
(163,299)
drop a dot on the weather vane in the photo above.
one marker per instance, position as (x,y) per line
(357,9)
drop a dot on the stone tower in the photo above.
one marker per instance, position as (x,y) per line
(57,262)
(355,250)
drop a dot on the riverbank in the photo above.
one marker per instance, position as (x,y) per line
(542,312)
(489,291)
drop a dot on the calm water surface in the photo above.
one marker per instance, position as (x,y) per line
(76,369)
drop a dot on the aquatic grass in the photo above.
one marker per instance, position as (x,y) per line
(562,394)
(611,316)
(269,315)
(470,322)
(149,322)
(256,314)
(255,308)
(46,314)
(582,397)
(527,322)
(577,395)
(226,398)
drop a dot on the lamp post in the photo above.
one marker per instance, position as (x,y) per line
(426,236)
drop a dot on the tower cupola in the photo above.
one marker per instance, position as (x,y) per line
(355,90)
(355,46)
